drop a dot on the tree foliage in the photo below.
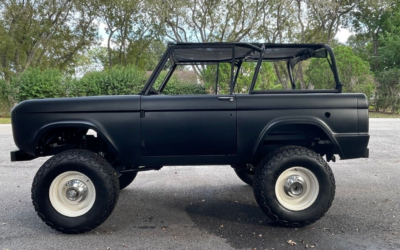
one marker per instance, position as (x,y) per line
(377,40)
(64,36)
(44,33)
(179,87)
(354,73)
(117,80)
(6,98)
(388,94)
(37,84)
(266,79)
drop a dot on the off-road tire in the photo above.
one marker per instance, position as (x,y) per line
(126,179)
(244,175)
(103,177)
(268,172)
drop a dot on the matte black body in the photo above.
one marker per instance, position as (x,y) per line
(158,130)
(195,130)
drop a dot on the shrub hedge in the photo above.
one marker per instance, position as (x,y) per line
(35,83)
(6,98)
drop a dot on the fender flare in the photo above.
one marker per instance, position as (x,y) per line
(285,121)
(78,124)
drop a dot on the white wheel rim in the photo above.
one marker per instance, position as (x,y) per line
(297,188)
(72,194)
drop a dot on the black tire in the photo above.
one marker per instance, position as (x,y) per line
(102,176)
(126,179)
(268,172)
(245,173)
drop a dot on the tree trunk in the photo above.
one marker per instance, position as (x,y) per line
(375,47)
(284,83)
(301,76)
(109,49)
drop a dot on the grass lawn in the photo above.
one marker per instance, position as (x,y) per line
(382,115)
(5,120)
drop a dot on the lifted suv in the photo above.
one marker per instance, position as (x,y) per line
(274,139)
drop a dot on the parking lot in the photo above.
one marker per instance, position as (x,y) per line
(208,207)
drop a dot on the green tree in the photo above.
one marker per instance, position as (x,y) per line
(389,40)
(131,27)
(7,97)
(44,33)
(209,77)
(354,73)
(145,54)
(361,45)
(373,21)
(388,91)
(266,79)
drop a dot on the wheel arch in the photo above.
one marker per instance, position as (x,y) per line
(275,124)
(101,132)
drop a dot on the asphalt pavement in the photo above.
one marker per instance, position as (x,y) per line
(208,207)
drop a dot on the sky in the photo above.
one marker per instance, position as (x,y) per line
(343,35)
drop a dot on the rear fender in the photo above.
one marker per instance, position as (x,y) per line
(293,121)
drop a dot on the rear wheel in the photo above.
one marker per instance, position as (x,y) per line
(75,191)
(294,186)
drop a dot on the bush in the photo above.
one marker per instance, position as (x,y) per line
(115,81)
(7,95)
(36,84)
(183,88)
(176,86)
(50,83)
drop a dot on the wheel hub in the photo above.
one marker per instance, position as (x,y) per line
(75,190)
(294,186)
(72,194)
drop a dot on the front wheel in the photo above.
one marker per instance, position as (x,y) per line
(295,186)
(75,191)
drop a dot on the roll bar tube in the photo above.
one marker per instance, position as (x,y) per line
(339,86)
(171,47)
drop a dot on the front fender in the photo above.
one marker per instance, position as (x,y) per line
(101,132)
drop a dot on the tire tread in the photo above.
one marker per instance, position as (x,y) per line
(99,164)
(264,169)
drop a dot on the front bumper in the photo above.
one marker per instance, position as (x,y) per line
(18,155)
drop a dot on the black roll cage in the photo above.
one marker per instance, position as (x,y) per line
(256,47)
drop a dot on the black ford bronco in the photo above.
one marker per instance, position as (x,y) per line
(275,140)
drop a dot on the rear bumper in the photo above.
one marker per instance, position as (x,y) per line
(18,155)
